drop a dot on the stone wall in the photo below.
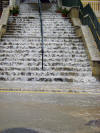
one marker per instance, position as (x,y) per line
(12,3)
(3,4)
(4,21)
(85,33)
(59,3)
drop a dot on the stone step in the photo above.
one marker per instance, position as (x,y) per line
(44,15)
(49,63)
(53,50)
(24,36)
(6,70)
(30,33)
(32,48)
(46,40)
(57,18)
(37,17)
(35,24)
(35,42)
(23,27)
(46,68)
(68,33)
(37,30)
(46,53)
(53,30)
(38,27)
(50,57)
(23,20)
(68,57)
(46,75)
(24,17)
(38,36)
(45,22)
(49,78)
(60,26)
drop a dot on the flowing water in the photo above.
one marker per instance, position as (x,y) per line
(66,69)
(65,57)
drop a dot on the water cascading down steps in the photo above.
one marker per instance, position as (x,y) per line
(65,57)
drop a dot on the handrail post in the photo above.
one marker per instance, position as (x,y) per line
(42,41)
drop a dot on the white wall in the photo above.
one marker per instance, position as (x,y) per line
(14,2)
(59,3)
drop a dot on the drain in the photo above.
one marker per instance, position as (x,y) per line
(19,130)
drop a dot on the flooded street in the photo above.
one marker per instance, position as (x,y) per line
(50,113)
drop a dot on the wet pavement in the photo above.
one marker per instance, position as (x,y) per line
(50,113)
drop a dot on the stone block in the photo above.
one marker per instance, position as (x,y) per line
(96,68)
(76,22)
(78,32)
(2,30)
(74,12)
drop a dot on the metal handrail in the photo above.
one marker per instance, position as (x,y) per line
(42,40)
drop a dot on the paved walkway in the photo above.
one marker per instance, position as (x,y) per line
(50,113)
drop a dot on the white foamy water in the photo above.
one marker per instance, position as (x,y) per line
(65,58)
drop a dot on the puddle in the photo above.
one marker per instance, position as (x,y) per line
(95,123)
(19,130)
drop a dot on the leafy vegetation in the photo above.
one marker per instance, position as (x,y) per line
(15,10)
(64,12)
(59,10)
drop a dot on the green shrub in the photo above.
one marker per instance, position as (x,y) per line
(15,10)
(64,11)
(59,10)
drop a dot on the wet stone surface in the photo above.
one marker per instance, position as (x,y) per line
(19,130)
(65,57)
(95,123)
(49,113)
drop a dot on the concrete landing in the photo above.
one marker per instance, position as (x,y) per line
(54,87)
(50,113)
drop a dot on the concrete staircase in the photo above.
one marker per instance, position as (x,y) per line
(65,57)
